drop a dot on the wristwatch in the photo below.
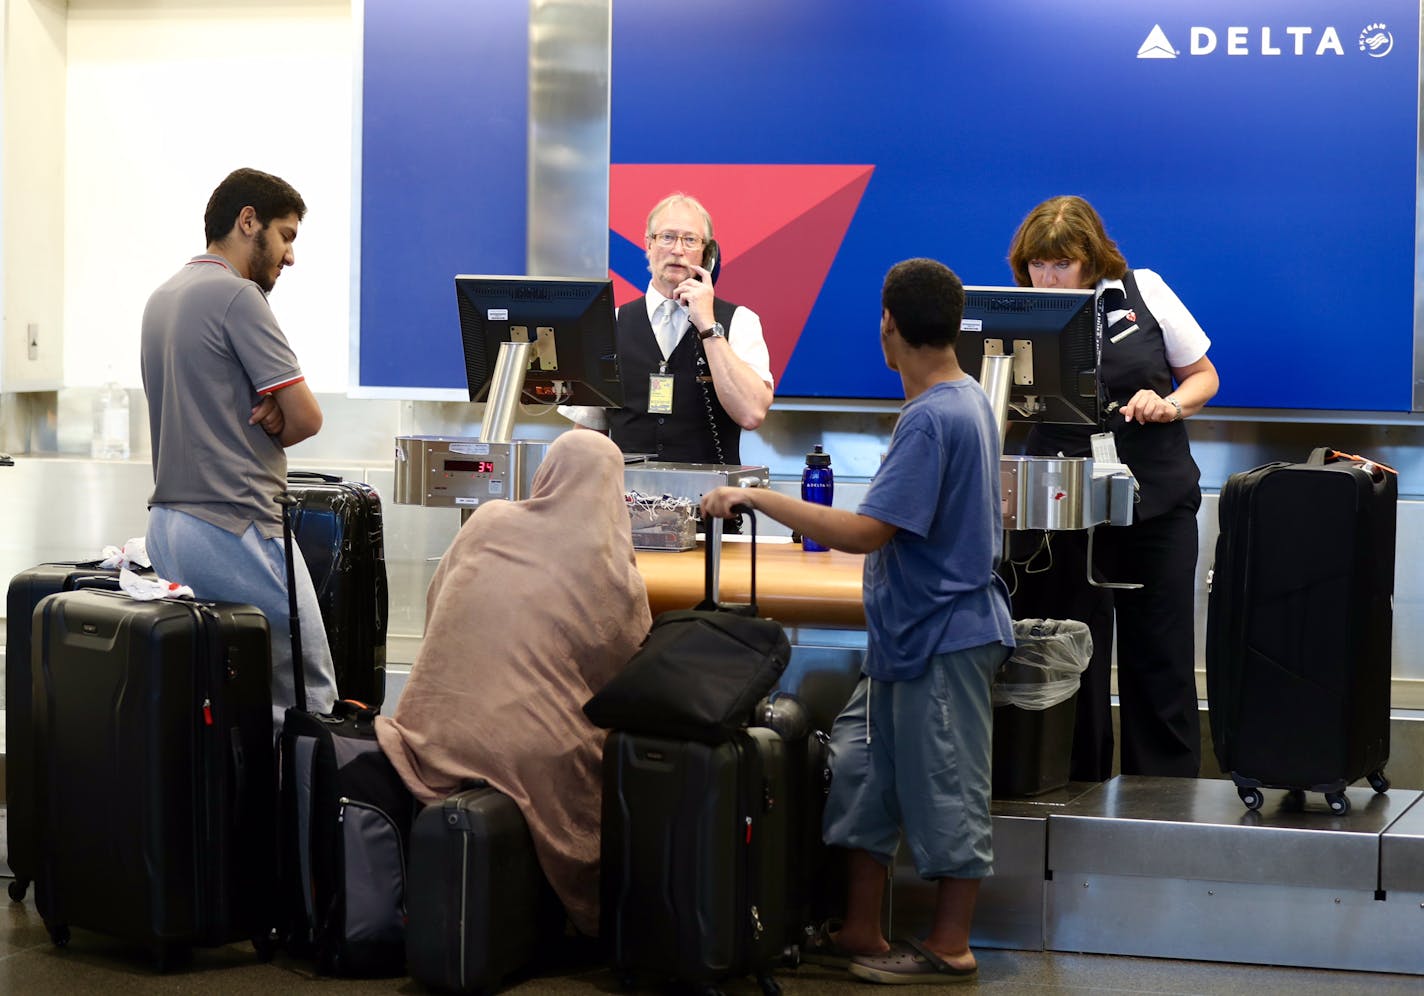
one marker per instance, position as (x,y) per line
(715,331)
(1175,404)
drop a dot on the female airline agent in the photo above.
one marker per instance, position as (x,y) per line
(1154,373)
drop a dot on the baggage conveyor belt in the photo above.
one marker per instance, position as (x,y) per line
(1179,868)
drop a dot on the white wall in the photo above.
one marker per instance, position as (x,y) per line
(33,191)
(164,98)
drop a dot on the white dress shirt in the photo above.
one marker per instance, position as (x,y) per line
(745,337)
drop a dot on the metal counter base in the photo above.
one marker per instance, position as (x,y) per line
(1179,868)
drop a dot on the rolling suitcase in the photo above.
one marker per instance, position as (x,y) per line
(479,904)
(154,771)
(25,591)
(1299,622)
(345,818)
(694,852)
(338,527)
(815,884)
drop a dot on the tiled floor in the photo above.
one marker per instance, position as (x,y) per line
(94,964)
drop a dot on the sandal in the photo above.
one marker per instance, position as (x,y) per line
(909,963)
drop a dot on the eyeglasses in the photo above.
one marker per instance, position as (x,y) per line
(667,240)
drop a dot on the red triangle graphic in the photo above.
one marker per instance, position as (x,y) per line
(779,227)
(623,291)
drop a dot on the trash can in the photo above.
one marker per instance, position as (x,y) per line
(1035,703)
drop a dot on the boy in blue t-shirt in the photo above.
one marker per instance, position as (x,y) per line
(912,749)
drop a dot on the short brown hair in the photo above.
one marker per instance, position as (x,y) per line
(1066,227)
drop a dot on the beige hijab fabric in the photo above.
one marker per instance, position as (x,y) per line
(534,607)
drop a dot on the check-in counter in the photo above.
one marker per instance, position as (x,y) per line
(796,588)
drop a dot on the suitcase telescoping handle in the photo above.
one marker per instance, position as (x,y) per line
(713,566)
(299,685)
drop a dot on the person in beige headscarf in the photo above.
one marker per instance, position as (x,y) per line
(534,607)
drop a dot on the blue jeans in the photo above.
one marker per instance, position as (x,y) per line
(918,754)
(222,567)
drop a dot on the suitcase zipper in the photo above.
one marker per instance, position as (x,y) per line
(346,801)
(211,888)
(464,902)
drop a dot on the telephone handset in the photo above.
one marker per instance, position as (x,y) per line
(712,263)
(711,259)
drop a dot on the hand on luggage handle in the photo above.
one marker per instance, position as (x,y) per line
(714,557)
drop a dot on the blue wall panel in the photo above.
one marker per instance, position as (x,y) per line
(1274,192)
(443,176)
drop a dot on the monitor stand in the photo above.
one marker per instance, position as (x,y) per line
(464,473)
(1077,499)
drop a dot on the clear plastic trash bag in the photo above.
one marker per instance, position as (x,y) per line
(1044,668)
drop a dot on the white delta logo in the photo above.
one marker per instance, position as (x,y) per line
(1375,40)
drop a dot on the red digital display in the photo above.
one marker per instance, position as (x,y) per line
(473,466)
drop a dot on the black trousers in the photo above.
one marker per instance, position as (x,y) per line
(1156,630)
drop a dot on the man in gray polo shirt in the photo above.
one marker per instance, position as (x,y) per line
(226,396)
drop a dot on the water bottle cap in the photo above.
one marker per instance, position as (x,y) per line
(818,457)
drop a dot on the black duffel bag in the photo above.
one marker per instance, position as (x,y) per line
(700,672)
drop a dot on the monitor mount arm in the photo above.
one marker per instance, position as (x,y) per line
(506,386)
(996,378)
(1118,585)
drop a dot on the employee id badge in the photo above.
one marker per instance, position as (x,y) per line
(660,394)
(1104,448)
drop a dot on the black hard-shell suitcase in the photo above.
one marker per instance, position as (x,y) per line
(478,902)
(694,852)
(154,770)
(815,879)
(1299,628)
(338,527)
(25,591)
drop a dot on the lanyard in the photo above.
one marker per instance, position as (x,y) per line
(1099,328)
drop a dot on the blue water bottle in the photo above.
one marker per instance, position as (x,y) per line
(817,485)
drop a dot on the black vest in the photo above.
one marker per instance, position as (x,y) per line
(1158,453)
(690,433)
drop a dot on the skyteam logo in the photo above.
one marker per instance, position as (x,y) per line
(1376,41)
(1237,40)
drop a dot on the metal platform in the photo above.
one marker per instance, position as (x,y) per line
(1009,913)
(1179,868)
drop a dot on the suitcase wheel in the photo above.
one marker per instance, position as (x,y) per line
(1338,802)
(169,954)
(18,888)
(266,947)
(1252,797)
(1378,782)
(58,934)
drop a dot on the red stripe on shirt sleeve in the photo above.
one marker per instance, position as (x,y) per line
(274,388)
